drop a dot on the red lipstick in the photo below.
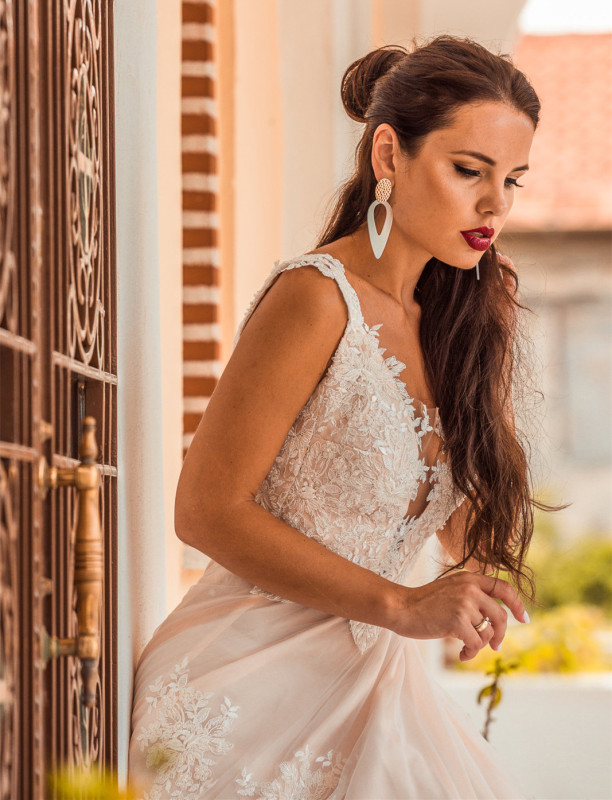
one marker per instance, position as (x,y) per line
(479,238)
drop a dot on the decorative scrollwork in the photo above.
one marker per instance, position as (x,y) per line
(8,264)
(9,643)
(85,306)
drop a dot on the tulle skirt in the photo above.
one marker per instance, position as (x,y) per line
(240,696)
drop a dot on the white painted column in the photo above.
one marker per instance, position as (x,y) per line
(141,546)
(170,236)
(494,26)
(352,39)
(259,144)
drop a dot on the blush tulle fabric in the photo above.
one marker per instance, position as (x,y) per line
(240,693)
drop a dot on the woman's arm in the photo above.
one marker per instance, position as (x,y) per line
(278,360)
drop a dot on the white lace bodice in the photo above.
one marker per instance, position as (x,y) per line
(353,472)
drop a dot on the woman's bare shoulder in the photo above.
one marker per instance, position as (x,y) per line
(280,357)
(303,299)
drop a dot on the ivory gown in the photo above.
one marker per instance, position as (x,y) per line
(242,694)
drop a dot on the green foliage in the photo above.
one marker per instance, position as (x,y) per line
(572,617)
(501,667)
(565,639)
(490,691)
(579,574)
(493,691)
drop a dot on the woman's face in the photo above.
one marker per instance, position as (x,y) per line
(463,178)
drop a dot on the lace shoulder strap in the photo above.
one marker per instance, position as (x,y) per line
(327,265)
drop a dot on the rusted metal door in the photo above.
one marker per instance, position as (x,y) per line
(57,367)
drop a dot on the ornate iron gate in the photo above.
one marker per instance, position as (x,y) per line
(57,367)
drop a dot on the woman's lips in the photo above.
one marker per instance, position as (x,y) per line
(476,242)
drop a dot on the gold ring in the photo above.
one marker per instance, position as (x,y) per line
(482,624)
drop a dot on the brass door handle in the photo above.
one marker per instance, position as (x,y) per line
(88,560)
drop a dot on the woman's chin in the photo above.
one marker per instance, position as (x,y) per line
(462,263)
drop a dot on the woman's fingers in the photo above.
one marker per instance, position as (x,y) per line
(499,622)
(475,645)
(455,605)
(494,631)
(491,633)
(472,641)
(498,617)
(496,587)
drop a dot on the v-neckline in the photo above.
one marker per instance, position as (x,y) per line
(389,362)
(372,332)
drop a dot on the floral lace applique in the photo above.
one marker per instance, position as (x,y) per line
(299,779)
(352,464)
(182,736)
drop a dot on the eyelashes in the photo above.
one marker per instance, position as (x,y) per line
(474,173)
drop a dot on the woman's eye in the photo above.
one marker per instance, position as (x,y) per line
(471,173)
(474,173)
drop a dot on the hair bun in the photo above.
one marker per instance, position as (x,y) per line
(359,78)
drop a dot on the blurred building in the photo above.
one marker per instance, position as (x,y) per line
(559,233)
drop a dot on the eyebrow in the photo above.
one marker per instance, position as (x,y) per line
(486,159)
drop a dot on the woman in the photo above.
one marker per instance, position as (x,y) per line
(320,467)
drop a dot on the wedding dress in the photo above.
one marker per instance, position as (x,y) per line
(240,693)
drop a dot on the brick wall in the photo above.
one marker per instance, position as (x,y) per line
(199,132)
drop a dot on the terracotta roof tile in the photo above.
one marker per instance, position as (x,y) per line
(569,184)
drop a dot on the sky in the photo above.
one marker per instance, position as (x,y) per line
(566,16)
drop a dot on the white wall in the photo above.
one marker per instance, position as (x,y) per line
(259,143)
(494,25)
(170,233)
(554,732)
(141,546)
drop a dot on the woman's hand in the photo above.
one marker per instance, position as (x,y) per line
(453,605)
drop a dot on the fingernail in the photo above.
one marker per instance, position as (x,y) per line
(526,617)
(498,648)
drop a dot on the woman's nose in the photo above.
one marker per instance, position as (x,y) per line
(494,201)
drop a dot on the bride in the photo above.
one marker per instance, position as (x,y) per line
(321,466)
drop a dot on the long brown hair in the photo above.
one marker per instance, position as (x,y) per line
(468,331)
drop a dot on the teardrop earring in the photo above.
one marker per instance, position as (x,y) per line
(382,194)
